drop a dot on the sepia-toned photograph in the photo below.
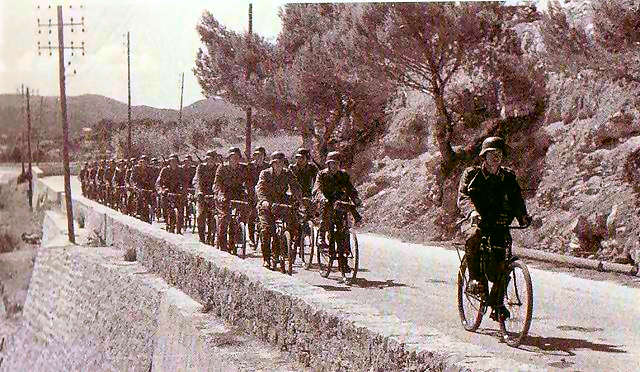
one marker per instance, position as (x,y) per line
(266,185)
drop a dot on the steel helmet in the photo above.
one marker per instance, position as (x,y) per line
(492,144)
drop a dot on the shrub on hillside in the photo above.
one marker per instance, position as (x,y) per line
(8,242)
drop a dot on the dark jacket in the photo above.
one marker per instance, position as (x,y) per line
(497,198)
(119,177)
(204,178)
(306,176)
(334,187)
(100,175)
(92,174)
(274,188)
(172,180)
(108,175)
(189,173)
(230,183)
(142,178)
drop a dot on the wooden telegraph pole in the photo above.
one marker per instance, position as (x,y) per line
(30,191)
(22,134)
(247,133)
(181,94)
(129,95)
(63,106)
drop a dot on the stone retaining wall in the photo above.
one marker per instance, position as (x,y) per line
(82,314)
(89,310)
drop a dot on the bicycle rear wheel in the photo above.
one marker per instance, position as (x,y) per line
(288,248)
(327,255)
(469,305)
(353,258)
(241,239)
(518,299)
(307,244)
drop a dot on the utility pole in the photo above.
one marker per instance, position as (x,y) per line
(129,95)
(30,191)
(181,94)
(63,106)
(39,131)
(247,133)
(22,134)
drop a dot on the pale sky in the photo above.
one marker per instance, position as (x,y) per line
(164,43)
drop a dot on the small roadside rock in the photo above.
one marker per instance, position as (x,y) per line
(33,238)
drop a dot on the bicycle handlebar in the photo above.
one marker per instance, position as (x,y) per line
(511,227)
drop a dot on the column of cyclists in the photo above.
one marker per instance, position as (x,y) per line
(289,211)
(297,212)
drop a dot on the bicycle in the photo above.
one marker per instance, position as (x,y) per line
(340,247)
(306,241)
(142,202)
(174,202)
(210,221)
(282,248)
(515,286)
(190,210)
(121,198)
(237,230)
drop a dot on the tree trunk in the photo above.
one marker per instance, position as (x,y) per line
(443,133)
(306,131)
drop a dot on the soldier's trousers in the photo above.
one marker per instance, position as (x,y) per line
(251,222)
(206,223)
(174,210)
(495,261)
(267,219)
(142,204)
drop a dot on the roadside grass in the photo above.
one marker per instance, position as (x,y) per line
(16,219)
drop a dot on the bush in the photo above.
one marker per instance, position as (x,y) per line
(130,255)
(8,241)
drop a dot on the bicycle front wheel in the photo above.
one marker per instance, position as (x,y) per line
(518,299)
(469,305)
(326,256)
(353,258)
(288,247)
(241,239)
(307,244)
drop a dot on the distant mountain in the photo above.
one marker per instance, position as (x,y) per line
(88,109)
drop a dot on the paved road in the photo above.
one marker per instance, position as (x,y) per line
(578,324)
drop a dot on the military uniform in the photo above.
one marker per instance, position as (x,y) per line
(189,172)
(84,174)
(108,179)
(306,176)
(255,169)
(119,181)
(230,184)
(273,188)
(91,181)
(497,199)
(142,179)
(172,180)
(204,178)
(329,188)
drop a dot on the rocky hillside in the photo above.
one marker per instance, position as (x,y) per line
(579,165)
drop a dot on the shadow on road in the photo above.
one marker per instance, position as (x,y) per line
(333,288)
(364,283)
(567,345)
